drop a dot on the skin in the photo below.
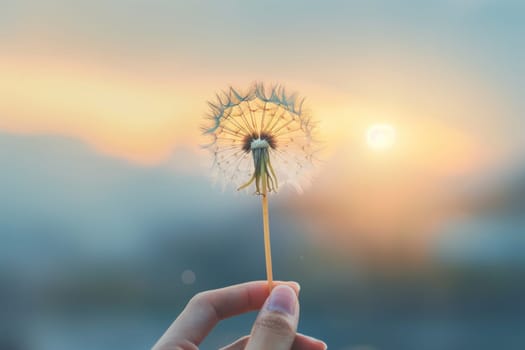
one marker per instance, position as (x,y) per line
(274,328)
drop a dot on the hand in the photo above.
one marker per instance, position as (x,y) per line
(274,328)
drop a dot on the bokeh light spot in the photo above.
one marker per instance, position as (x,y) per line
(188,277)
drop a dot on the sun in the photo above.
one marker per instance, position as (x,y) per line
(380,136)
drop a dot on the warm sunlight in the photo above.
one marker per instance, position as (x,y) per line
(380,136)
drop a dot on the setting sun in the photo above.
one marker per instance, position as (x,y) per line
(380,136)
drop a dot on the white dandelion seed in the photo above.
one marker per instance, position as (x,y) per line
(262,137)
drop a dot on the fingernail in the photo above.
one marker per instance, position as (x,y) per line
(282,299)
(296,285)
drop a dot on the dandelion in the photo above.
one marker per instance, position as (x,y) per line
(260,139)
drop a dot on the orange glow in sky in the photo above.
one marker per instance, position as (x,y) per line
(381,136)
(120,115)
(144,119)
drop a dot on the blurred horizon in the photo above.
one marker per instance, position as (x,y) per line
(110,222)
(132,258)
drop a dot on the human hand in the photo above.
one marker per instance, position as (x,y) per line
(274,328)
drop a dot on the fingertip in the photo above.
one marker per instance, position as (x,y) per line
(296,286)
(303,341)
(283,298)
(321,345)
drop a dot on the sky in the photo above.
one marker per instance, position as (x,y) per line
(105,190)
(132,78)
(129,80)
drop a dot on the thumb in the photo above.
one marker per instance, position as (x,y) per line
(276,324)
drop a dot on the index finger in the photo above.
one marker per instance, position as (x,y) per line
(206,309)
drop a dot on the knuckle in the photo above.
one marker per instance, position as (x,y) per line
(199,298)
(204,301)
(275,323)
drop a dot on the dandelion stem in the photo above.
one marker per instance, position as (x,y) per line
(266,228)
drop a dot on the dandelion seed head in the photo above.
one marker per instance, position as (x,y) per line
(262,134)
